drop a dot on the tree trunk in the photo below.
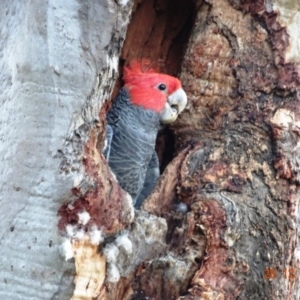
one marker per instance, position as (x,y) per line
(59,61)
(232,156)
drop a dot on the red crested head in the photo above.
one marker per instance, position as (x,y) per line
(148,88)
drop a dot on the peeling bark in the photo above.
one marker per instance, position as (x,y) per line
(239,87)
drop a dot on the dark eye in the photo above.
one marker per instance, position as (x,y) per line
(162,87)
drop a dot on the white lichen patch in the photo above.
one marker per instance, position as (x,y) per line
(96,236)
(67,249)
(83,217)
(124,242)
(112,274)
(74,232)
(111,253)
(70,230)
(123,2)
(79,234)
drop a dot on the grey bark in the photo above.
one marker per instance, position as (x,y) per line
(58,61)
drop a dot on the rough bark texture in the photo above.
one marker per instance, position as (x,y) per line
(232,157)
(245,96)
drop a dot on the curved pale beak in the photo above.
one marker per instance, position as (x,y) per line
(175,104)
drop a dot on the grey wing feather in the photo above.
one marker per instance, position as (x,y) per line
(133,132)
(151,178)
(131,152)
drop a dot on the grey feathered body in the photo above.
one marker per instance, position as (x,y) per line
(131,135)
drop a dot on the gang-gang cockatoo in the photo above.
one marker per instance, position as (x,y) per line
(147,100)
